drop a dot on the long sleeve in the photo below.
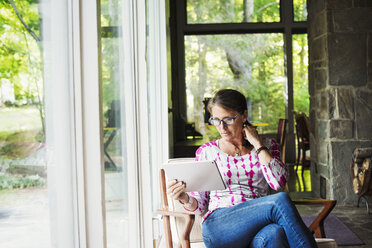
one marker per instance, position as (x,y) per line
(275,172)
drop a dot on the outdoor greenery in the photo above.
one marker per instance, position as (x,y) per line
(21,87)
(251,63)
(14,182)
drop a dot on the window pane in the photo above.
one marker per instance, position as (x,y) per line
(300,10)
(24,205)
(115,149)
(250,63)
(300,73)
(236,11)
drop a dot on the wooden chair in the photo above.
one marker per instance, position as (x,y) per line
(303,142)
(281,137)
(186,226)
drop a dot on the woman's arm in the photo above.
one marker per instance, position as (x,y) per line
(268,154)
(275,172)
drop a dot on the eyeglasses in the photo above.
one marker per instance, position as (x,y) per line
(227,121)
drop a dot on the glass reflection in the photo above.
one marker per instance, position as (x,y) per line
(114,139)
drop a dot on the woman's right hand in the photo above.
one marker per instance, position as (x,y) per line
(176,191)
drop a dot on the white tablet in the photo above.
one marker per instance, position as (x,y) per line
(198,175)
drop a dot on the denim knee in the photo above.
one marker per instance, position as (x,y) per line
(281,196)
(272,235)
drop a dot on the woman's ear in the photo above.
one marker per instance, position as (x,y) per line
(245,116)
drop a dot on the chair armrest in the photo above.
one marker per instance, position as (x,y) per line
(185,235)
(317,226)
(174,213)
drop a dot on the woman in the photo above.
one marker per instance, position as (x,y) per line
(243,214)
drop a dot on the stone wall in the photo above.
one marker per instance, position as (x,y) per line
(340,85)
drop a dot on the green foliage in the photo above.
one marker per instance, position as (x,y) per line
(15,145)
(300,10)
(14,182)
(222,11)
(20,54)
(251,63)
(111,73)
(301,96)
(20,132)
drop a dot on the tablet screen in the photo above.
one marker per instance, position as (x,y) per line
(198,175)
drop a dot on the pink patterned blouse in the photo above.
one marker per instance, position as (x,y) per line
(245,177)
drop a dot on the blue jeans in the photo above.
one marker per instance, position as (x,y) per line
(270,221)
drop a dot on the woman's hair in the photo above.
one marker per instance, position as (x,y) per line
(229,99)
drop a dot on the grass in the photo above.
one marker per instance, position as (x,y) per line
(19,128)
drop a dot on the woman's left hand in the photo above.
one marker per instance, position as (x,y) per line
(250,133)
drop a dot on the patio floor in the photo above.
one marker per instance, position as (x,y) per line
(24,219)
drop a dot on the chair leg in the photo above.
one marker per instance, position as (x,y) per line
(298,157)
(185,236)
(303,167)
(167,231)
(303,178)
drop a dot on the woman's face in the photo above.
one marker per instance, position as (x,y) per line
(229,132)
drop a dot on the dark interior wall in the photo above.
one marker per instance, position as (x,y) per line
(340,81)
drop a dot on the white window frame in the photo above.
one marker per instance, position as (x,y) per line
(82,144)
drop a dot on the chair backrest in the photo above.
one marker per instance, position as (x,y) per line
(179,223)
(281,137)
(302,127)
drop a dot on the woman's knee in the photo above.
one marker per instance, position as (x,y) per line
(272,235)
(282,196)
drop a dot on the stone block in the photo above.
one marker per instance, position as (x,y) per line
(318,25)
(345,103)
(323,130)
(314,106)
(324,106)
(338,4)
(318,48)
(352,20)
(320,78)
(314,7)
(311,79)
(315,187)
(333,113)
(313,149)
(320,64)
(341,103)
(313,118)
(341,129)
(323,170)
(322,152)
(369,48)
(369,76)
(363,107)
(347,59)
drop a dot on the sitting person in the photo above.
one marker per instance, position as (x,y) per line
(243,214)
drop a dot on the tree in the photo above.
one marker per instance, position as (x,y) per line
(21,51)
(251,63)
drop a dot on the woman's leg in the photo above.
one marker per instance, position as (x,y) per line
(236,226)
(271,236)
